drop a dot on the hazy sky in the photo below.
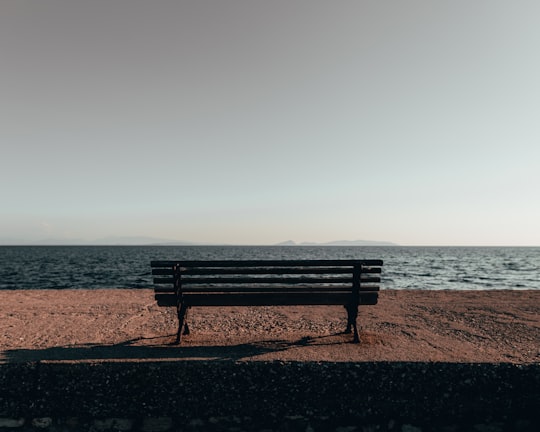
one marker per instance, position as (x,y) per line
(251,122)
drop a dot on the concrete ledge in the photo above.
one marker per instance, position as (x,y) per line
(426,395)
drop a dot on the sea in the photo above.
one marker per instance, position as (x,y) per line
(425,268)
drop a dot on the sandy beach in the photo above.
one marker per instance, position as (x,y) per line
(433,326)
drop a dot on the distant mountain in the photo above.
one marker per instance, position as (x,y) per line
(359,243)
(138,241)
(155,241)
(339,243)
(105,241)
(49,241)
(7,241)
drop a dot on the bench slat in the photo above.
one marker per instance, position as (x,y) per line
(169,271)
(274,289)
(164,281)
(277,299)
(262,280)
(265,270)
(219,281)
(163,289)
(279,271)
(283,289)
(258,280)
(267,299)
(271,263)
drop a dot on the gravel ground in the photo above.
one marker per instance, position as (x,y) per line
(428,360)
(413,325)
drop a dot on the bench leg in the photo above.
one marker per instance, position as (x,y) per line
(182,311)
(186,326)
(350,318)
(352,315)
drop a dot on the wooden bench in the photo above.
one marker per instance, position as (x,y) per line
(183,284)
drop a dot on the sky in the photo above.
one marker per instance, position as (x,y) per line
(254,122)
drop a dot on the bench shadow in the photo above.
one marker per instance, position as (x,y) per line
(129,350)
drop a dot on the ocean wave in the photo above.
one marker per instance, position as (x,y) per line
(430,268)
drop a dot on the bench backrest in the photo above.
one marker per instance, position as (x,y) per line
(266,282)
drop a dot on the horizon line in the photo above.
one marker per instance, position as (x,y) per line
(306,244)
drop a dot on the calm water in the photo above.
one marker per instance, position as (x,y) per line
(24,267)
